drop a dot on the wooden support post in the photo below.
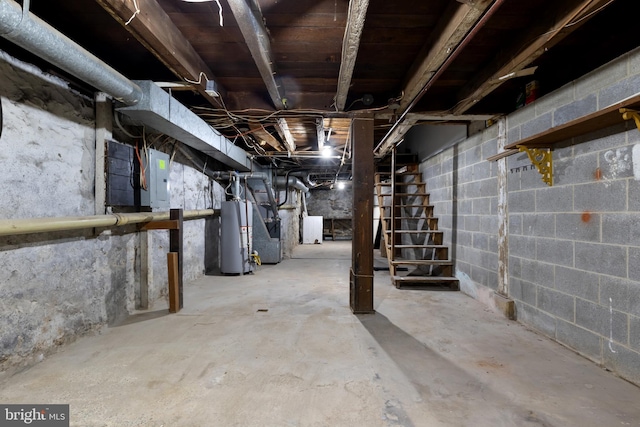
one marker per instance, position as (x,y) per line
(501,297)
(104,120)
(146,271)
(175,245)
(361,275)
(503,213)
(174,282)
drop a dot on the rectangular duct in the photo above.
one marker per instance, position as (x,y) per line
(162,112)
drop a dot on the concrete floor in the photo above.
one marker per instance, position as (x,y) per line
(281,348)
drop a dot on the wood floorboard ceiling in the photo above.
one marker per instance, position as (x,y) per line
(284,78)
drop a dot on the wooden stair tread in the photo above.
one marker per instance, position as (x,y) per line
(405,194)
(407,173)
(414,231)
(421,262)
(388,184)
(409,206)
(412,217)
(418,246)
(421,279)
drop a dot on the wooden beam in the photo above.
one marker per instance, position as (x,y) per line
(396,136)
(361,275)
(263,136)
(161,225)
(104,124)
(438,117)
(250,22)
(174,282)
(503,154)
(570,15)
(451,30)
(152,27)
(285,133)
(320,135)
(350,46)
(175,245)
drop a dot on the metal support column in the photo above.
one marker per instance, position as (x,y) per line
(361,275)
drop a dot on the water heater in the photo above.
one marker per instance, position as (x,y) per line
(236,237)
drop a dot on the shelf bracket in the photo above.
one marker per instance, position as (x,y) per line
(628,114)
(543,161)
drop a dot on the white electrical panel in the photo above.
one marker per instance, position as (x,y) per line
(156,171)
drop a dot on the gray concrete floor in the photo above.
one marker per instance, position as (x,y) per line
(281,348)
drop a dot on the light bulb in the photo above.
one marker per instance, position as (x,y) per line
(327,151)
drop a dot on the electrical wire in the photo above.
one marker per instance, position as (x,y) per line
(220,12)
(143,177)
(199,81)
(117,120)
(135,13)
(587,16)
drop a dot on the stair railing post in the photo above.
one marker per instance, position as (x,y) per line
(393,201)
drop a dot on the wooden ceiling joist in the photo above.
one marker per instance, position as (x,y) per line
(150,24)
(264,137)
(570,15)
(285,133)
(452,29)
(320,133)
(396,136)
(250,22)
(350,46)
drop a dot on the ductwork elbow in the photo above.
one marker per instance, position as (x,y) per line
(294,182)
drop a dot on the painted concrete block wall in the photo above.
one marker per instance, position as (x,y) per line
(573,248)
(464,191)
(55,287)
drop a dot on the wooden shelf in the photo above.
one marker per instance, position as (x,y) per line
(337,227)
(591,122)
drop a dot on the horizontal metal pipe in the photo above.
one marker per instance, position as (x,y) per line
(11,227)
(33,34)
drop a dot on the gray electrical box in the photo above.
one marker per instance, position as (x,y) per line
(157,176)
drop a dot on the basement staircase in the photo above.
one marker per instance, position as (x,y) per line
(412,241)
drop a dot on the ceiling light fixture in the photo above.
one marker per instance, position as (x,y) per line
(341,185)
(327,151)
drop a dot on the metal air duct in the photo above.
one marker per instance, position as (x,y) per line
(33,34)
